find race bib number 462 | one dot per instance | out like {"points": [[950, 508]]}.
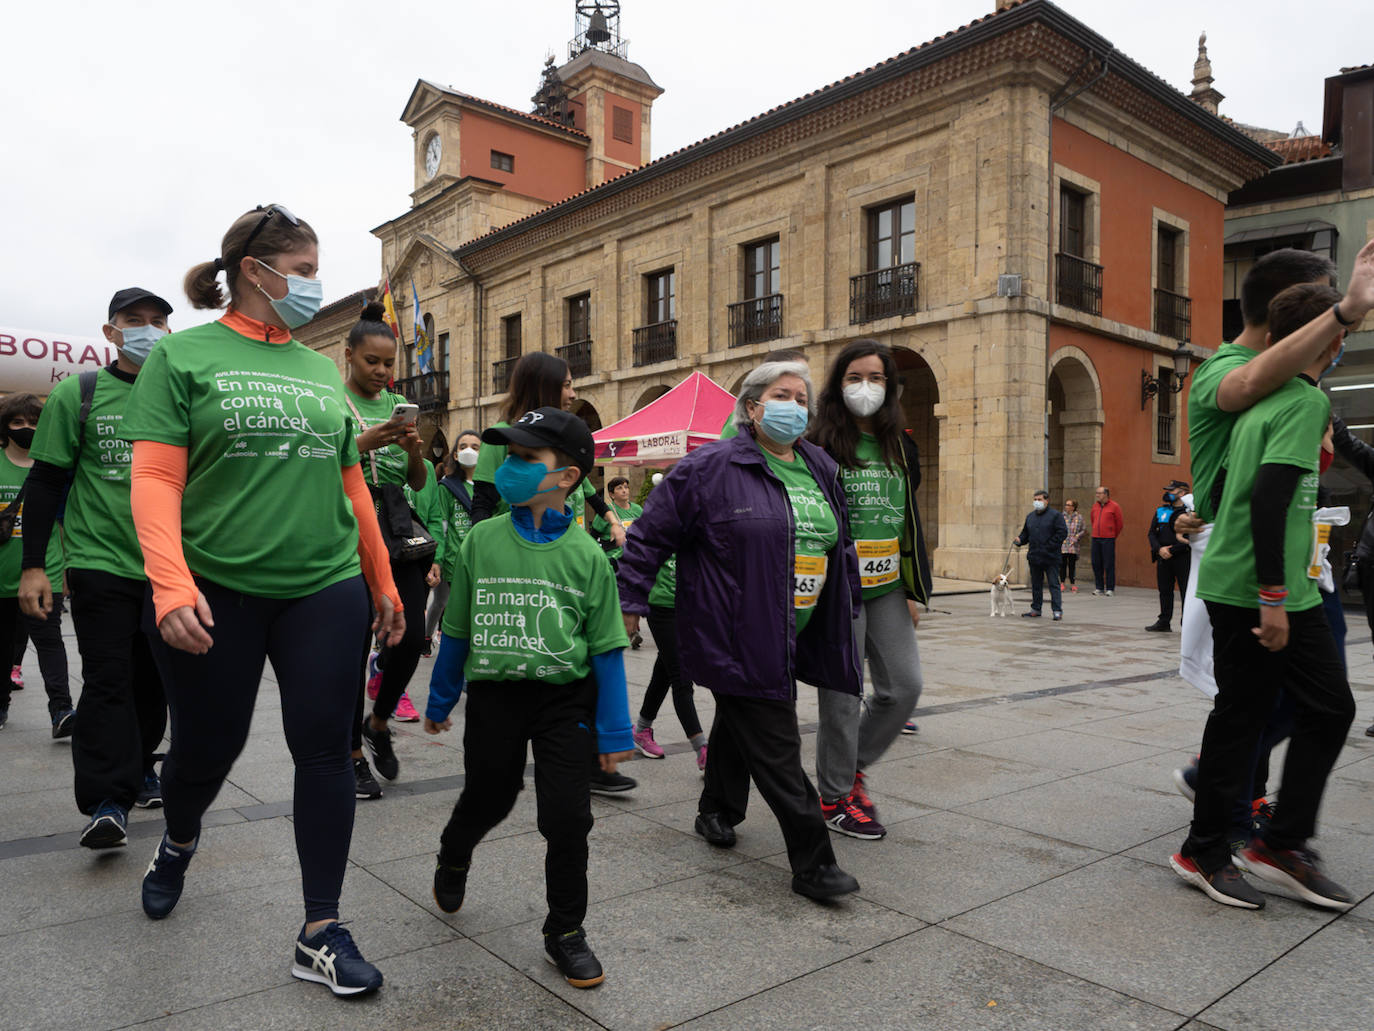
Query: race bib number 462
{"points": [[879, 562]]}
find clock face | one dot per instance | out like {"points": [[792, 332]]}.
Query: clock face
{"points": [[432, 151]]}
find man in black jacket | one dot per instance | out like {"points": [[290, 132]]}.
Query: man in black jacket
{"points": [[1044, 530], [1170, 553], [1361, 456]]}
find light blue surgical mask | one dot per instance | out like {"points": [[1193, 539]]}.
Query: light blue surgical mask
{"points": [[517, 480], [138, 341], [783, 421], [302, 300]]}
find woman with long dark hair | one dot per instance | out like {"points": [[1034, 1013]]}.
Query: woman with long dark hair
{"points": [[858, 423]]}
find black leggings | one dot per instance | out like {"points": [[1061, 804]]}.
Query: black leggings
{"points": [[47, 642], [398, 661], [668, 673], [211, 698], [1068, 568]]}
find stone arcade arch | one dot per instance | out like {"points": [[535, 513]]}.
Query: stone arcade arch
{"points": [[649, 396], [586, 411], [1075, 428], [920, 395]]}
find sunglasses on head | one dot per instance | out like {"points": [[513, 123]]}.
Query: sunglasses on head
{"points": [[268, 212]]}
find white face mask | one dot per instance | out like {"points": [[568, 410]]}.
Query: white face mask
{"points": [[865, 398], [1039, 505], [467, 457]]}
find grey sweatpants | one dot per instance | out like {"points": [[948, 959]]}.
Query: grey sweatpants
{"points": [[849, 739], [438, 600]]}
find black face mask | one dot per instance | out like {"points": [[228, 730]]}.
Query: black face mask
{"points": [[23, 436]]}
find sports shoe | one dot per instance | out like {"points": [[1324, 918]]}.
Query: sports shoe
{"points": [[1369, 730], [847, 818], [108, 827], [64, 723], [17, 677], [701, 758], [860, 796], [645, 743], [165, 877], [1158, 627], [1299, 871], [1096, 592], [1058, 616], [910, 727], [4, 717], [574, 958], [427, 649], [827, 881], [1032, 614], [603, 783], [635, 641], [364, 784], [379, 744], [450, 885], [405, 712], [374, 676], [1074, 588], [1109, 593], [1185, 779], [330, 958], [1262, 813], [1227, 886], [150, 794]]}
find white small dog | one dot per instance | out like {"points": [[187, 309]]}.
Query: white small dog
{"points": [[1001, 596]]}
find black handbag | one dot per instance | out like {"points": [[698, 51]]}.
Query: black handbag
{"points": [[405, 536]]}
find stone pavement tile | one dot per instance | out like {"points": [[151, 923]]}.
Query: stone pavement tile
{"points": [[1055, 711], [1323, 983], [506, 885], [923, 866], [939, 981], [1177, 726], [79, 884], [455, 985], [758, 836], [1067, 750], [955, 777], [956, 729], [1140, 930], [116, 970], [53, 810], [1086, 810], [684, 948]]}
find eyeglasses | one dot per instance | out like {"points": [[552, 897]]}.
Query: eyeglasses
{"points": [[273, 209]]}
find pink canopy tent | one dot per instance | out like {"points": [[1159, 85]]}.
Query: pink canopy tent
{"points": [[689, 415]]}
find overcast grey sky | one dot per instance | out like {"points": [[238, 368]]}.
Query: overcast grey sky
{"points": [[132, 134]]}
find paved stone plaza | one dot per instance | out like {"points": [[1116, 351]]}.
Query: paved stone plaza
{"points": [[1023, 884]]}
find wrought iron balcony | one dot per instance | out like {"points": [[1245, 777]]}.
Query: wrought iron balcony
{"points": [[883, 292], [1173, 316], [578, 356], [428, 390], [500, 374], [1078, 283], [756, 320], [656, 342]]}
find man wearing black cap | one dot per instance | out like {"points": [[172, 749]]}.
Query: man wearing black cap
{"points": [[122, 713], [1170, 553], [533, 624]]}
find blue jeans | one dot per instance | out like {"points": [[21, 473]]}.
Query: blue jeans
{"points": [[1104, 563], [1038, 576]]}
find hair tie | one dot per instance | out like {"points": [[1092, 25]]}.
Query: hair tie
{"points": [[219, 264]]}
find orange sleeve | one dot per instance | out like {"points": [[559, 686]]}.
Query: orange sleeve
{"points": [[371, 548], [156, 485]]}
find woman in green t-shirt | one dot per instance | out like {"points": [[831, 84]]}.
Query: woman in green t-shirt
{"points": [[455, 515], [392, 459], [858, 422]]}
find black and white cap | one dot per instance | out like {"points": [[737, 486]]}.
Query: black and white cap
{"points": [[549, 427]]}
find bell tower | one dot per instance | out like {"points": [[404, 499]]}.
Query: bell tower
{"points": [[609, 97]]}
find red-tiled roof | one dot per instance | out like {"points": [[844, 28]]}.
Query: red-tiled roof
{"points": [[1296, 149], [547, 123]]}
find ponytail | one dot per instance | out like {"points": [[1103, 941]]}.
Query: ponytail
{"points": [[202, 285], [372, 322]]}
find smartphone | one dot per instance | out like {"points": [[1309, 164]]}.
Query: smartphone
{"points": [[409, 413]]}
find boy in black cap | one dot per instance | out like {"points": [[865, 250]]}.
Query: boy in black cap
{"points": [[1170, 553], [533, 624], [122, 712]]}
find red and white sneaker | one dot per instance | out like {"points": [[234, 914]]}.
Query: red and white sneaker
{"points": [[405, 712], [1299, 870], [847, 818], [1226, 885], [17, 677], [861, 799]]}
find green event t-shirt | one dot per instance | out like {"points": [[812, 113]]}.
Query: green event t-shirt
{"points": [[456, 523], [1284, 428], [601, 527], [266, 432], [729, 430], [1209, 428], [12, 551], [815, 533], [98, 527], [532, 611], [664, 591], [393, 461], [877, 517]]}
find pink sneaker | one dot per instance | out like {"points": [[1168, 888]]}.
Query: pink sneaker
{"points": [[17, 677], [644, 741], [374, 677], [405, 712], [701, 758]]}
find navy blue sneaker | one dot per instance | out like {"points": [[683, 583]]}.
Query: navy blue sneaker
{"points": [[165, 878], [330, 958], [150, 795], [107, 828], [64, 723]]}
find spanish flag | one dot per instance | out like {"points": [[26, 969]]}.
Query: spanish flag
{"points": [[390, 307]]}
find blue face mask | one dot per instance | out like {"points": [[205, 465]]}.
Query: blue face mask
{"points": [[1170, 498], [518, 479], [1336, 360], [783, 421], [302, 300], [138, 341]]}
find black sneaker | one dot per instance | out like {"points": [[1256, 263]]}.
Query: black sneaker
{"points": [[450, 885], [364, 784], [1032, 614], [1299, 871], [108, 827], [603, 783], [64, 723], [1368, 731], [330, 958], [574, 958], [1158, 627], [635, 641], [827, 881], [427, 649], [379, 744], [150, 795], [4, 716], [165, 878], [1227, 885]]}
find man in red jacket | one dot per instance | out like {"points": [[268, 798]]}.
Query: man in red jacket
{"points": [[1107, 522]]}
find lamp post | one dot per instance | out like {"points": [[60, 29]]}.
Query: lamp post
{"points": [[1149, 385]]}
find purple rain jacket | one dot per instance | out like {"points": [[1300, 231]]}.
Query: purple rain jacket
{"points": [[727, 516]]}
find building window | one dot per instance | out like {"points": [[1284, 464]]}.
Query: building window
{"points": [[1078, 282], [1165, 417], [1073, 209], [762, 269], [510, 335], [502, 162], [622, 124], [660, 297], [577, 352], [759, 316], [1173, 307], [441, 354], [889, 287], [656, 340], [892, 235], [1246, 247]]}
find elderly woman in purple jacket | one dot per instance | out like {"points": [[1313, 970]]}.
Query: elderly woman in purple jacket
{"points": [[767, 591]]}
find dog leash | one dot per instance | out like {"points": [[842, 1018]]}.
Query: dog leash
{"points": [[1006, 562]]}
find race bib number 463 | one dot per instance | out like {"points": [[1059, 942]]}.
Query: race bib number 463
{"points": [[808, 579]]}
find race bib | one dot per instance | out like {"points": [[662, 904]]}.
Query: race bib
{"points": [[879, 562], [1318, 567], [808, 579]]}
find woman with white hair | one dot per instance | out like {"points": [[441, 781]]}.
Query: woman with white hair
{"points": [[767, 590]]}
